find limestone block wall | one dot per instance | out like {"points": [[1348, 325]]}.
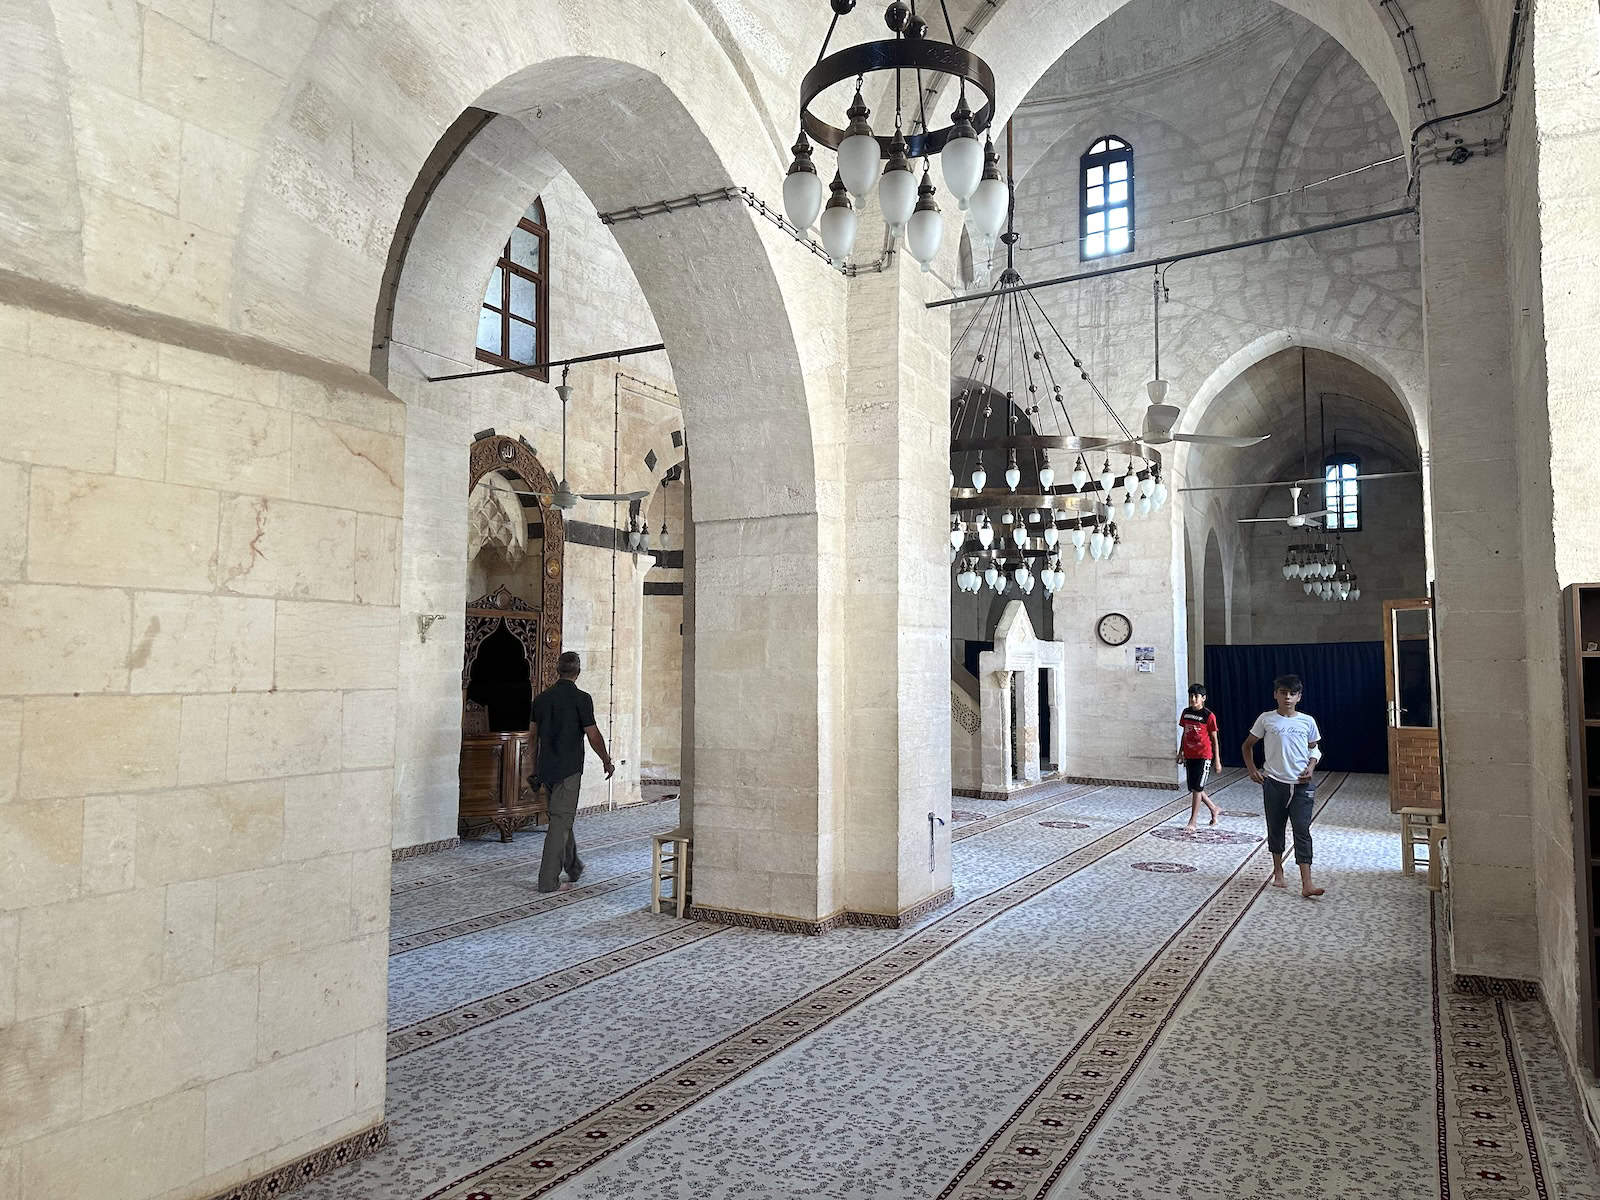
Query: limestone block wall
{"points": [[1554, 154], [198, 584], [661, 642], [1389, 555]]}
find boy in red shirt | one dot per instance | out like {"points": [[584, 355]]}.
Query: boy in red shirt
{"points": [[1199, 752]]}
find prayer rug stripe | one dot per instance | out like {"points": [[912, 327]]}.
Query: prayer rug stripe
{"points": [[552, 1159], [1487, 1140], [1031, 1148]]}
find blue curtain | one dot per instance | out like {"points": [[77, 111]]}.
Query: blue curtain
{"points": [[1343, 691]]}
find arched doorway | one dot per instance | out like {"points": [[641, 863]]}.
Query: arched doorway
{"points": [[512, 631]]}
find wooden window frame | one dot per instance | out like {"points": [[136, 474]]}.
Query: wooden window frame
{"points": [[1121, 151], [541, 297], [1334, 522]]}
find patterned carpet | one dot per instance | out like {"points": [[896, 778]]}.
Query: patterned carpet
{"points": [[1108, 1008]]}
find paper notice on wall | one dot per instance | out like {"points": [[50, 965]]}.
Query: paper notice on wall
{"points": [[1145, 656]]}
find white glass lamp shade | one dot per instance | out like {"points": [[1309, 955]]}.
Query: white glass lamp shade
{"points": [[1107, 478], [1344, 589], [1308, 585], [1288, 571], [1018, 574], [1079, 476], [925, 229], [957, 536], [1079, 537], [1077, 553], [1355, 593], [1097, 541], [1158, 495], [953, 553], [988, 208], [1013, 477], [990, 574], [1052, 535], [644, 539], [1127, 508], [1047, 479], [986, 535], [802, 198], [1147, 485], [802, 187], [1027, 585], [979, 478], [859, 153], [1019, 535], [1144, 506], [664, 539], [1007, 517], [839, 220], [897, 197], [961, 160]]}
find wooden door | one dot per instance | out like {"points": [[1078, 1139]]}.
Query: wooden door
{"points": [[1413, 699]]}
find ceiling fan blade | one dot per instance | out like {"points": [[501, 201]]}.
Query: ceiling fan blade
{"points": [[1315, 515], [624, 496], [1160, 418], [1262, 520], [1217, 439], [1374, 475]]}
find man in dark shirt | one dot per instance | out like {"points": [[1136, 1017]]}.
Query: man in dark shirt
{"points": [[564, 717]]}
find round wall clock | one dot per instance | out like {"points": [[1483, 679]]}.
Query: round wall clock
{"points": [[1114, 629]]}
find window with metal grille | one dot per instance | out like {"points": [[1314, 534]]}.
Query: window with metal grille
{"points": [[1106, 208], [1341, 492], [514, 322]]}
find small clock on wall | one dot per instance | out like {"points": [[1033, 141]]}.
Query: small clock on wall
{"points": [[1114, 629]]}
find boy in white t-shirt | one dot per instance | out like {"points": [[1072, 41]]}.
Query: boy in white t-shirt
{"points": [[1287, 790]]}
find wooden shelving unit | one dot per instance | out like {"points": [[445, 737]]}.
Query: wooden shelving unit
{"points": [[1583, 716]]}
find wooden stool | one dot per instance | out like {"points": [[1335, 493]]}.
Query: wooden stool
{"points": [[1416, 825], [669, 861], [1437, 832]]}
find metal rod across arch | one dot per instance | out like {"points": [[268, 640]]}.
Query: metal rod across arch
{"points": [[1169, 259]]}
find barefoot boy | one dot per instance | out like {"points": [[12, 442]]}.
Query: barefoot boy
{"points": [[1199, 751], [1288, 792]]}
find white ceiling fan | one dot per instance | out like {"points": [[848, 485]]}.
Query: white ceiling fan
{"points": [[1296, 519], [1160, 417], [564, 497]]}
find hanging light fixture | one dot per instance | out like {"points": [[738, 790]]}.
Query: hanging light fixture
{"points": [[913, 55], [1010, 399]]}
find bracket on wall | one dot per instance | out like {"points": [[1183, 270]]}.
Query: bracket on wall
{"points": [[425, 622]]}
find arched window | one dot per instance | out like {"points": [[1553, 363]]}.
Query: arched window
{"points": [[1341, 492], [514, 322], [1106, 224]]}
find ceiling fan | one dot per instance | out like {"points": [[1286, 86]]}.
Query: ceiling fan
{"points": [[564, 497], [1160, 417], [1296, 519]]}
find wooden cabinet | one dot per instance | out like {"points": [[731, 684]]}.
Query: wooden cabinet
{"points": [[1583, 719], [494, 784]]}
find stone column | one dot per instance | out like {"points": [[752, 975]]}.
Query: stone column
{"points": [[1478, 569], [896, 647], [1028, 731], [686, 751], [994, 740]]}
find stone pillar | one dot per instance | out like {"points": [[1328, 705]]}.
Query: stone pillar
{"points": [[1478, 569], [1028, 727], [896, 641], [686, 751], [994, 739], [1058, 717]]}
